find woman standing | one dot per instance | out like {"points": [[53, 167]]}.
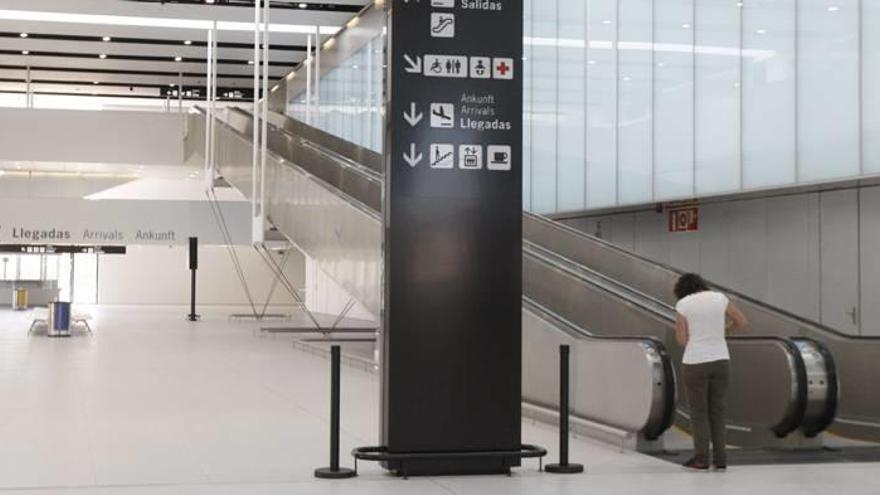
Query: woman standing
{"points": [[704, 316]]}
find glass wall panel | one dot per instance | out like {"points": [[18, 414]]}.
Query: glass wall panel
{"points": [[545, 109], [635, 104], [717, 101], [768, 64], [571, 151], [602, 104], [828, 89], [351, 103], [674, 99], [871, 86]]}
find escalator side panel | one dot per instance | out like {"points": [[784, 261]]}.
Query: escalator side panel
{"points": [[343, 238], [612, 383], [345, 241]]}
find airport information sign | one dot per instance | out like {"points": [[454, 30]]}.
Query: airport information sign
{"points": [[453, 228]]}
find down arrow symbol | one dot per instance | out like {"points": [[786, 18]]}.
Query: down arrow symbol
{"points": [[413, 116], [413, 158]]}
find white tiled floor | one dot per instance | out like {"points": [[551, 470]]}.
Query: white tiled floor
{"points": [[153, 404]]}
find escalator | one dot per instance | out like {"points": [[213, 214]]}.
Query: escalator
{"points": [[857, 359], [315, 180]]}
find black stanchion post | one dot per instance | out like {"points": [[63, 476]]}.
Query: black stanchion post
{"points": [[334, 471], [193, 267], [564, 467]]}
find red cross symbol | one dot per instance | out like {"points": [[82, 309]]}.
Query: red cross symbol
{"points": [[503, 68]]}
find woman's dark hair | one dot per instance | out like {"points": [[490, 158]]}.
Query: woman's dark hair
{"points": [[690, 283]]}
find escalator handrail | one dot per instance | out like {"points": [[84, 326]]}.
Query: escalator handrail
{"points": [[348, 161], [738, 295], [364, 208], [667, 418]]}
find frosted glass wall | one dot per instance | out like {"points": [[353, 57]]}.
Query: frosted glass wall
{"points": [[350, 102], [639, 101]]}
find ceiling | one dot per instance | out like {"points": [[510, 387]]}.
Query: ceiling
{"points": [[145, 48]]}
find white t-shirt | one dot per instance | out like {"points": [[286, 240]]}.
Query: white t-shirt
{"points": [[706, 316]]}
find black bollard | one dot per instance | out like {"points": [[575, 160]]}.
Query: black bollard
{"points": [[564, 467], [193, 267], [334, 472]]}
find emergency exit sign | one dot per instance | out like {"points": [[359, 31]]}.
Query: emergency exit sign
{"points": [[685, 219]]}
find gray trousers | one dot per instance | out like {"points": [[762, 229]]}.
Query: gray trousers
{"points": [[706, 387]]}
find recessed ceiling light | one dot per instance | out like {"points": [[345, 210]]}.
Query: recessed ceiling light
{"points": [[188, 42], [250, 62], [686, 26], [303, 5], [106, 38], [102, 56], [23, 35], [761, 31], [178, 59], [25, 52], [96, 82], [834, 8], [209, 1], [161, 22], [606, 21]]}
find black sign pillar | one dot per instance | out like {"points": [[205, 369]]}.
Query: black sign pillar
{"points": [[452, 340]]}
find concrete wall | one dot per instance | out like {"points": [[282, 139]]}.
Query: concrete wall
{"points": [[143, 138], [813, 254], [159, 275]]}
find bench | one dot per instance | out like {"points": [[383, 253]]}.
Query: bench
{"points": [[81, 319]]}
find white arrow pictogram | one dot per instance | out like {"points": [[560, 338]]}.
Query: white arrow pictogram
{"points": [[413, 158], [413, 66], [413, 116]]}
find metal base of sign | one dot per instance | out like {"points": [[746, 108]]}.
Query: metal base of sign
{"points": [[335, 474], [564, 468], [192, 317], [437, 463]]}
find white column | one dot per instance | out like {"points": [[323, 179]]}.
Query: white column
{"points": [[257, 228], [317, 70], [308, 63], [208, 106], [265, 117], [212, 81]]}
